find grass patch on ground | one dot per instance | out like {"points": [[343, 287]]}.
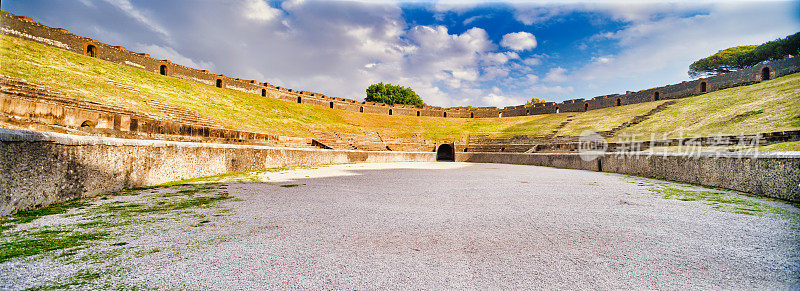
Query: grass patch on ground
{"points": [[38, 242], [764, 107], [29, 215], [241, 176], [718, 200], [784, 146], [79, 279], [102, 220]]}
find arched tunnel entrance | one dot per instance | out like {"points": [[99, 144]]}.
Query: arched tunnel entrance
{"points": [[765, 74], [446, 153]]}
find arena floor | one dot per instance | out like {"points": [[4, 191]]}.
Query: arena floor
{"points": [[443, 225]]}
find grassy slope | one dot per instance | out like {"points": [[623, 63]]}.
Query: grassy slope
{"points": [[90, 79], [762, 107]]}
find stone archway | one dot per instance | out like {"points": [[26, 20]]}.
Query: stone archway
{"points": [[765, 73], [163, 70], [219, 83], [656, 96], [445, 153], [703, 87], [263, 92], [91, 50]]}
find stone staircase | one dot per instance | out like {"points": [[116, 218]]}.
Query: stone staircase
{"points": [[20, 88], [552, 134], [637, 119], [182, 115], [330, 140]]}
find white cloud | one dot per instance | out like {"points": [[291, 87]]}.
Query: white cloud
{"points": [[556, 75], [540, 89], [531, 79], [519, 41], [501, 58], [530, 14], [138, 15], [497, 100], [167, 53], [602, 60], [259, 11], [659, 50], [532, 61]]}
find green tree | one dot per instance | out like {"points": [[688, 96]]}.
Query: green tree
{"points": [[393, 94], [534, 100], [740, 57]]}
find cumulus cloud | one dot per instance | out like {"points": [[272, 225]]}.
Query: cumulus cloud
{"points": [[531, 14], [657, 49], [259, 11], [497, 100], [519, 41], [531, 78], [532, 61], [556, 75]]}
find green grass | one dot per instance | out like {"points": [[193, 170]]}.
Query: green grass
{"points": [[241, 176], [99, 222], [37, 242], [764, 107], [29, 215], [717, 200], [784, 146]]}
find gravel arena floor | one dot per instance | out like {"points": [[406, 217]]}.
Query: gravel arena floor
{"points": [[417, 226]]}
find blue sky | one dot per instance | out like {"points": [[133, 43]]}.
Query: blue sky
{"points": [[451, 52]]}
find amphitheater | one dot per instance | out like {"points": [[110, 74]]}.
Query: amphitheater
{"points": [[122, 170]]}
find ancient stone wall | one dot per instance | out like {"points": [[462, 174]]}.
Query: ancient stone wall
{"points": [[775, 175], [23, 27], [41, 168]]}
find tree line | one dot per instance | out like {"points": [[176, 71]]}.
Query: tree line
{"points": [[740, 57]]}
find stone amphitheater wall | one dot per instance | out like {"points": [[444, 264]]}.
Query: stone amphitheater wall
{"points": [[42, 168], [775, 175], [26, 28]]}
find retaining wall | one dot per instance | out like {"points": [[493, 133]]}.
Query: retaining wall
{"points": [[775, 175], [41, 168]]}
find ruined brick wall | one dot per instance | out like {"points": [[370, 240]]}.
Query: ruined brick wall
{"points": [[23, 27]]}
